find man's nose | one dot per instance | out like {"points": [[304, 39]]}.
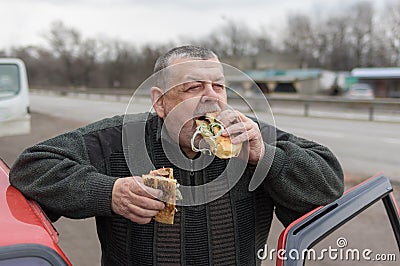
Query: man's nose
{"points": [[209, 95]]}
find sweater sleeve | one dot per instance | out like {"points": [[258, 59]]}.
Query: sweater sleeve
{"points": [[58, 175], [302, 176]]}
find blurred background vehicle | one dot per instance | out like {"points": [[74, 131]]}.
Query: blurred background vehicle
{"points": [[14, 98], [360, 91]]}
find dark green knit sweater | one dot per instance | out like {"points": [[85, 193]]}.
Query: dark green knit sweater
{"points": [[73, 174]]}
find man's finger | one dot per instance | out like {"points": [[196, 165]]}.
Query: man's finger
{"points": [[141, 212], [141, 189], [237, 128], [245, 136], [147, 203], [242, 117], [228, 117]]}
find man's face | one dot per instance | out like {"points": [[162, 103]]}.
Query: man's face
{"points": [[196, 88]]}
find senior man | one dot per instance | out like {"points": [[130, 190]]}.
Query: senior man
{"points": [[95, 171]]}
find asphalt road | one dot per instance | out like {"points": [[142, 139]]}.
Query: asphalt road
{"points": [[78, 238], [363, 148]]}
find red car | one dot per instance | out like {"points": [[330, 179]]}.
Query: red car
{"points": [[27, 237]]}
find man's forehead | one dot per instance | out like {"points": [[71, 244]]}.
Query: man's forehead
{"points": [[184, 70]]}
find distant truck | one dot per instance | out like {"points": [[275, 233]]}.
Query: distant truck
{"points": [[15, 117]]}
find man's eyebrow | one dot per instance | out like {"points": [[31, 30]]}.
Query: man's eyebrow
{"points": [[193, 78]]}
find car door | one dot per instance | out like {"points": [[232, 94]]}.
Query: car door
{"points": [[297, 241]]}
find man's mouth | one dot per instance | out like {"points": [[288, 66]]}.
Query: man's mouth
{"points": [[199, 117], [202, 116]]}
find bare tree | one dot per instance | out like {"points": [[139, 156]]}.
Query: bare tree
{"points": [[262, 42], [117, 57], [87, 60], [65, 43], [300, 37], [234, 38], [42, 67], [341, 42], [392, 32], [237, 36], [360, 18], [147, 56], [214, 42], [337, 43]]}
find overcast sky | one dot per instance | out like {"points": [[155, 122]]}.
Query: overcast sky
{"points": [[23, 22]]}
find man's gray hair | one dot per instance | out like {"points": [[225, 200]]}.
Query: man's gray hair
{"points": [[187, 51]]}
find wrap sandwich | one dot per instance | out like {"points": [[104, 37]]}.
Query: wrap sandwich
{"points": [[163, 179], [211, 130]]}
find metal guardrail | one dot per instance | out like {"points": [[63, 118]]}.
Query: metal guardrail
{"points": [[370, 105], [304, 105]]}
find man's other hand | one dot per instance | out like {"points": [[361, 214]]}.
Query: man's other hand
{"points": [[135, 201]]}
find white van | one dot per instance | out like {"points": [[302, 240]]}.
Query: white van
{"points": [[14, 98]]}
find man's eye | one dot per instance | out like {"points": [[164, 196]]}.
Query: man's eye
{"points": [[195, 87], [218, 86]]}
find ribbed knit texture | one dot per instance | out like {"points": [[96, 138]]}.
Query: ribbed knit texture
{"points": [[132, 244], [168, 244], [196, 236], [246, 226], [264, 215], [140, 244], [222, 231], [221, 217]]}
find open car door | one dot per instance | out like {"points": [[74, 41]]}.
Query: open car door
{"points": [[311, 228]]}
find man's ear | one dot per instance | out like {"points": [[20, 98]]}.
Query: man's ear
{"points": [[157, 99]]}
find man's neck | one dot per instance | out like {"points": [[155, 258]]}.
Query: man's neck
{"points": [[190, 153]]}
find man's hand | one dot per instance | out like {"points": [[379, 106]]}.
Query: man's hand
{"points": [[133, 200], [242, 129]]}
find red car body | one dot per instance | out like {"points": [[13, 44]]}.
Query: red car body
{"points": [[26, 234]]}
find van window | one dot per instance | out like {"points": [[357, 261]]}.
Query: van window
{"points": [[9, 80]]}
